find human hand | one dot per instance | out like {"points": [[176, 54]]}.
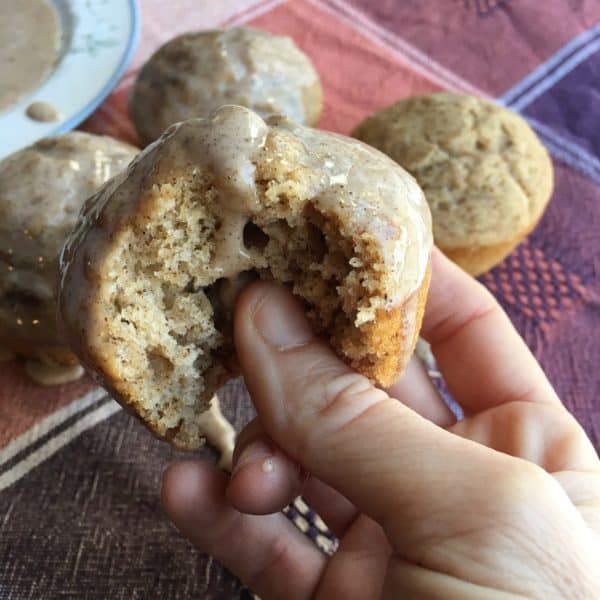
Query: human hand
{"points": [[504, 503]]}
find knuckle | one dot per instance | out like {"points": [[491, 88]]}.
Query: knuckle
{"points": [[344, 399], [346, 388], [348, 398], [454, 324], [518, 486], [274, 561], [565, 444]]}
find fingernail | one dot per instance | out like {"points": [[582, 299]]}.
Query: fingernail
{"points": [[267, 465], [281, 321], [255, 452]]}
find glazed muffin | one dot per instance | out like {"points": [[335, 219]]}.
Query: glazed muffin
{"points": [[42, 189], [485, 174], [151, 272], [195, 73]]}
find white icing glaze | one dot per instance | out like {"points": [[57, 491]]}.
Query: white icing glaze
{"points": [[369, 190], [195, 73], [230, 289], [424, 353], [30, 34], [269, 70], [359, 185], [219, 433], [348, 182], [42, 111], [49, 373], [244, 132], [42, 188]]}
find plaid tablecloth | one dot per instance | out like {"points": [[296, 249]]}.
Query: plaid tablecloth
{"points": [[79, 509]]}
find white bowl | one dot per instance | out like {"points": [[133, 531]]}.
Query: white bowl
{"points": [[98, 40]]}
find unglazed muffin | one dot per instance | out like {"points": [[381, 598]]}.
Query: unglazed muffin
{"points": [[195, 73], [151, 272], [42, 189], [485, 174]]}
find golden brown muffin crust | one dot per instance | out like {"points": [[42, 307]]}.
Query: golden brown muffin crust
{"points": [[486, 176]]}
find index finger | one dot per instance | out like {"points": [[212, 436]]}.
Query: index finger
{"points": [[485, 362]]}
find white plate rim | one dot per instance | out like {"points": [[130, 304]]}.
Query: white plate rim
{"points": [[86, 111], [99, 97]]}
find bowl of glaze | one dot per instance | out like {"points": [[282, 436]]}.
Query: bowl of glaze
{"points": [[95, 43]]}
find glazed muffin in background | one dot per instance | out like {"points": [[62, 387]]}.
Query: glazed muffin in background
{"points": [[195, 73], [42, 189], [151, 272], [485, 174]]}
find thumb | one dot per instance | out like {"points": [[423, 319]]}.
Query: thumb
{"points": [[395, 466]]}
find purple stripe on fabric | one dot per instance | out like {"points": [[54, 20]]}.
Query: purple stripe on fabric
{"points": [[571, 107], [567, 152], [568, 57], [550, 288]]}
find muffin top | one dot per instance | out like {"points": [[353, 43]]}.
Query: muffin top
{"points": [[341, 178], [195, 73], [485, 174], [42, 188], [150, 273]]}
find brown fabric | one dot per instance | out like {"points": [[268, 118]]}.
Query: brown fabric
{"points": [[99, 529], [23, 403]]}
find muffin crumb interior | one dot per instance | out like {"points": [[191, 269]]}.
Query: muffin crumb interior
{"points": [[169, 310]]}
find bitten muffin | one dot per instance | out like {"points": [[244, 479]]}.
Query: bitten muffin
{"points": [[195, 73], [485, 174], [42, 189], [151, 272]]}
